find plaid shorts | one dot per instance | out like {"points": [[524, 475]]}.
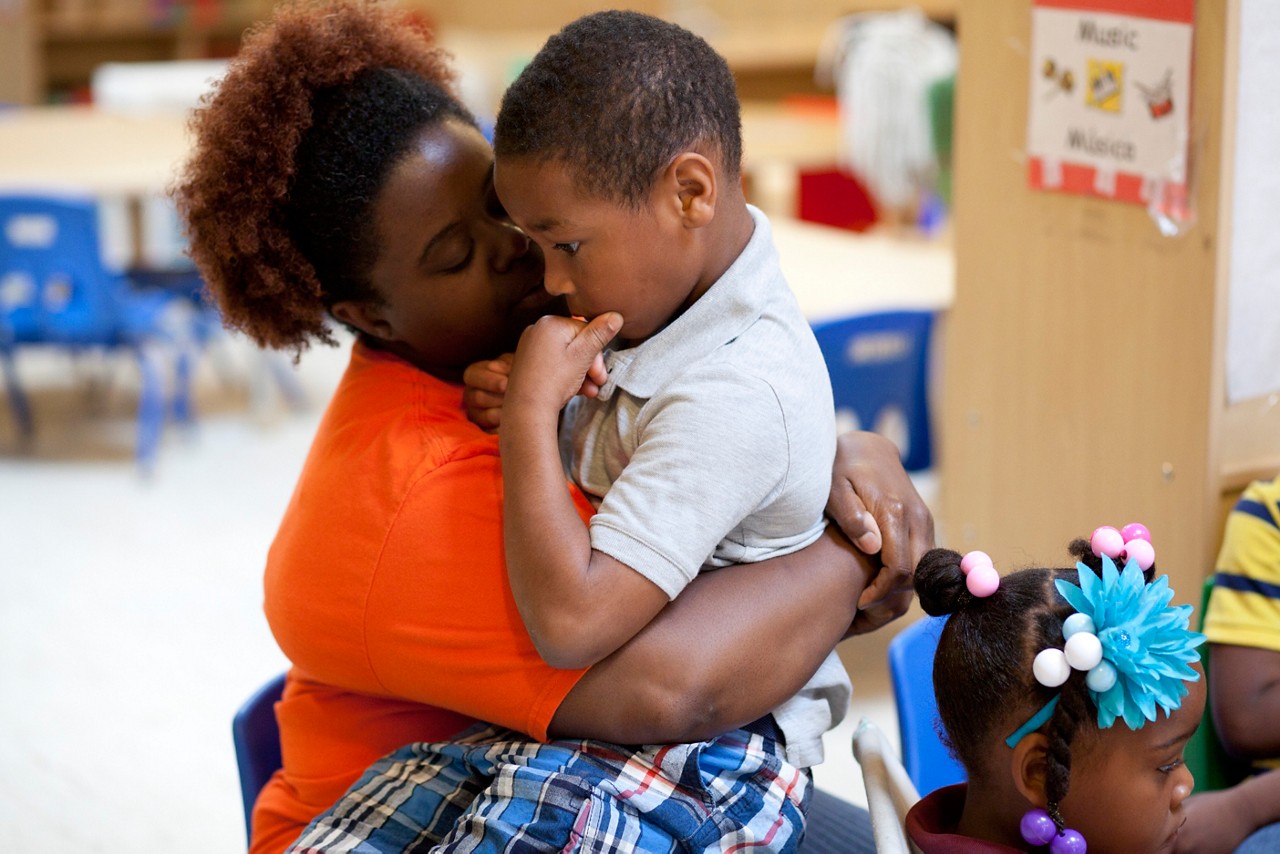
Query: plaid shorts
{"points": [[495, 790]]}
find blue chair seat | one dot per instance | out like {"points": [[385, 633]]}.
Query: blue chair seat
{"points": [[879, 367]]}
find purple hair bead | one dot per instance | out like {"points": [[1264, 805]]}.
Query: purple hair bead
{"points": [[1068, 842], [1037, 827]]}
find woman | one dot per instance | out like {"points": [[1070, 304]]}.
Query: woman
{"points": [[335, 176]]}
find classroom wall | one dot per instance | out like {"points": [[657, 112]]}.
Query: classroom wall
{"points": [[1083, 356]]}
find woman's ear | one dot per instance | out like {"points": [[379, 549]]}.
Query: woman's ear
{"points": [[1029, 768], [363, 315], [690, 180]]}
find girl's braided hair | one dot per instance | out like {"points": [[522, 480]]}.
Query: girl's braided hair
{"points": [[982, 673]]}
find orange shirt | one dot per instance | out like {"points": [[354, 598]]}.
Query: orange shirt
{"points": [[386, 588]]}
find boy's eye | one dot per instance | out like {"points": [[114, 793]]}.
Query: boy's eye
{"points": [[569, 249]]}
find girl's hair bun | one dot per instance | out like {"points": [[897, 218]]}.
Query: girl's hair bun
{"points": [[940, 583]]}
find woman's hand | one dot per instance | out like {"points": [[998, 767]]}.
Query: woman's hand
{"points": [[485, 387], [876, 505]]}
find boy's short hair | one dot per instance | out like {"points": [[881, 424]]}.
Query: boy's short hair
{"points": [[616, 95]]}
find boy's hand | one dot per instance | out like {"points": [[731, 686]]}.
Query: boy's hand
{"points": [[559, 357], [485, 386]]}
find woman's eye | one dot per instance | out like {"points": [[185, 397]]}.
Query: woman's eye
{"points": [[569, 249], [466, 259]]}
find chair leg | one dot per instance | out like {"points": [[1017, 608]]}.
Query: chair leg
{"points": [[17, 399], [182, 370], [151, 408]]}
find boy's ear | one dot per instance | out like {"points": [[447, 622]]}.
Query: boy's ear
{"points": [[1029, 768], [690, 181], [363, 315]]}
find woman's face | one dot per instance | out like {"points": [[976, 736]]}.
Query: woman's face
{"points": [[458, 282], [1127, 787]]}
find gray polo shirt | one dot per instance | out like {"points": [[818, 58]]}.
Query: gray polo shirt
{"points": [[711, 443]]}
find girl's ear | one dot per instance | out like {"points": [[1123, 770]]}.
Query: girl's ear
{"points": [[1029, 768], [690, 181]]}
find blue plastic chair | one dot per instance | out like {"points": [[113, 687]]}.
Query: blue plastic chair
{"points": [[55, 291], [929, 763], [257, 740], [879, 367]]}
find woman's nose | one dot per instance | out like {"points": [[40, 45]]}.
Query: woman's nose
{"points": [[513, 245]]}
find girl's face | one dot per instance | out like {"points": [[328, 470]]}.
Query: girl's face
{"points": [[1127, 787], [458, 282]]}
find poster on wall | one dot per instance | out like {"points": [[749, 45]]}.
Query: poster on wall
{"points": [[1110, 101]]}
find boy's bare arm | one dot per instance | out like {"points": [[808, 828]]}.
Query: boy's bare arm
{"points": [[1245, 694], [578, 604]]}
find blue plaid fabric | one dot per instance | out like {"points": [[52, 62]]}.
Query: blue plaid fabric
{"points": [[494, 790]]}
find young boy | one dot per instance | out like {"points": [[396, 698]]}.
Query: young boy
{"points": [[705, 433]]}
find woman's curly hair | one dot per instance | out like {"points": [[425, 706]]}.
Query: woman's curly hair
{"points": [[290, 152]]}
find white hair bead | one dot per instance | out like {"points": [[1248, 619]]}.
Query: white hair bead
{"points": [[1083, 650], [1102, 677], [1078, 622], [1050, 667]]}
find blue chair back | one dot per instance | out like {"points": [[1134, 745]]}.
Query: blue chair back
{"points": [[928, 762], [257, 739], [879, 366], [53, 286]]}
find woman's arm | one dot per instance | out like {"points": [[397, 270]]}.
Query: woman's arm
{"points": [[712, 660], [732, 646]]}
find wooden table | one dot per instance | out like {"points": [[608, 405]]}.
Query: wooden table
{"points": [[836, 273], [86, 150], [126, 161]]}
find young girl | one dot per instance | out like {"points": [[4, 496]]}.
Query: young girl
{"points": [[1068, 695]]}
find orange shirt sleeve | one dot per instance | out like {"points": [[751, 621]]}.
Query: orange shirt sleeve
{"points": [[441, 623]]}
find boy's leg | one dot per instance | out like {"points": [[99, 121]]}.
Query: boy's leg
{"points": [[497, 791], [408, 800], [735, 791]]}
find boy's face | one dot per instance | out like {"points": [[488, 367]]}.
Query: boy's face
{"points": [[600, 255], [1128, 787]]}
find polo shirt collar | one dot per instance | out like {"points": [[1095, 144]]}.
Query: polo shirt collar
{"points": [[734, 302]]}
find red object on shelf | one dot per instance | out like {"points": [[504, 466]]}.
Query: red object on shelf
{"points": [[835, 197]]}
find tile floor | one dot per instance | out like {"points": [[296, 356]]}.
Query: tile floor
{"points": [[131, 626]]}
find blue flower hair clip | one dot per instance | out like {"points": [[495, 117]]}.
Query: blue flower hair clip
{"points": [[1136, 649]]}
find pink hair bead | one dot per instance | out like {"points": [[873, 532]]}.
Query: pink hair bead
{"points": [[1135, 531], [1107, 541], [982, 580], [973, 560], [1142, 552]]}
